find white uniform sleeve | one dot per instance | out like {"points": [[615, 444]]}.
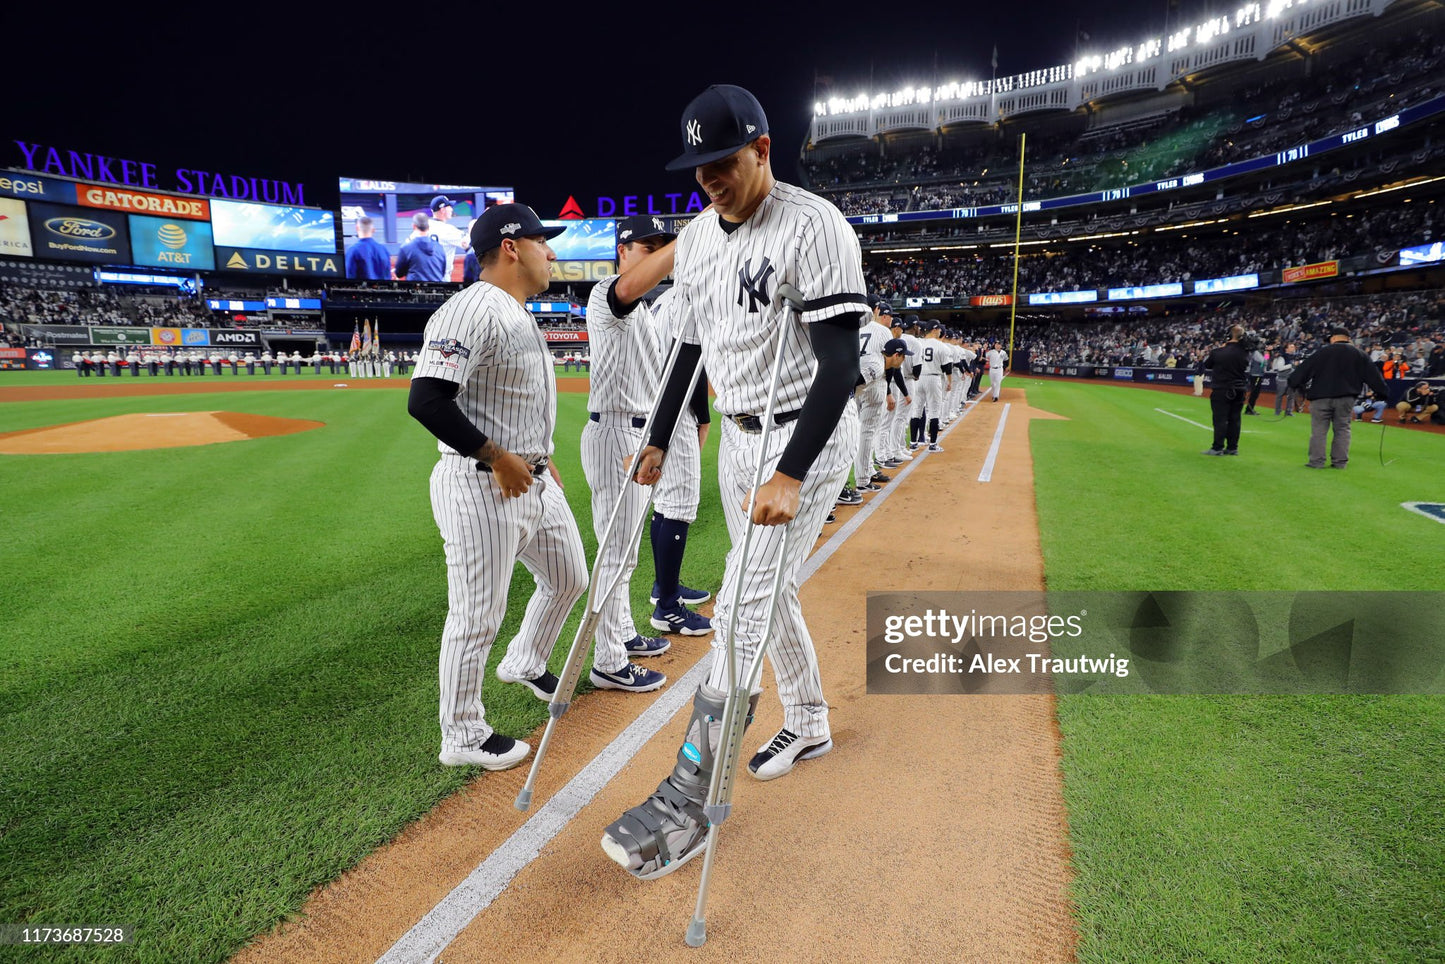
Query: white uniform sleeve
{"points": [[599, 309], [830, 266], [460, 336], [675, 318]]}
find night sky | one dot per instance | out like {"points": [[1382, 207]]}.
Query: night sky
{"points": [[555, 104]]}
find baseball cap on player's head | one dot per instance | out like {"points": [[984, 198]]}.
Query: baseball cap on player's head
{"points": [[880, 305], [718, 122], [640, 227], [896, 346], [932, 326], [508, 221], [911, 322], [441, 201]]}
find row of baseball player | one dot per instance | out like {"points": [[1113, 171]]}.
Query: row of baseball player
{"points": [[486, 389], [164, 361]]}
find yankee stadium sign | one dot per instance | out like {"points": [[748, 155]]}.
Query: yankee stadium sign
{"points": [[44, 159]]}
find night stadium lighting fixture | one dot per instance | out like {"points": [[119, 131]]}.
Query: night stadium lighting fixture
{"points": [[1022, 244], [1092, 237], [1397, 187], [1188, 224], [1286, 210]]}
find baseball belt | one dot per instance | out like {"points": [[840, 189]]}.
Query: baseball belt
{"points": [[613, 418], [753, 424], [537, 468]]}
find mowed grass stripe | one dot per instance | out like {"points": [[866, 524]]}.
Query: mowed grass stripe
{"points": [[218, 676], [1242, 828]]}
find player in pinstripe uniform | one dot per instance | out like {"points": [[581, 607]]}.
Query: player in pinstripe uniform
{"points": [[871, 394], [624, 340], [931, 382], [912, 328], [899, 408], [675, 502], [484, 386], [730, 262], [997, 358]]}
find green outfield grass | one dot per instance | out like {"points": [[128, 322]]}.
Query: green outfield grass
{"points": [[218, 676], [1243, 828], [218, 664]]}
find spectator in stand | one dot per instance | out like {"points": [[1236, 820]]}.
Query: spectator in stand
{"points": [[368, 258]]}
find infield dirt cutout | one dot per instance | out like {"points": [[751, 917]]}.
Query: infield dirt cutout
{"points": [[149, 430]]}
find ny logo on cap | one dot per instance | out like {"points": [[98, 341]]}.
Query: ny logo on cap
{"points": [[694, 132], [511, 227], [657, 223]]}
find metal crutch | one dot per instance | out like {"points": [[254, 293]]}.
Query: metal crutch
{"points": [[572, 670], [720, 789]]}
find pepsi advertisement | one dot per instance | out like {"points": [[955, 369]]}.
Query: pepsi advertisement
{"points": [[169, 243], [68, 233]]}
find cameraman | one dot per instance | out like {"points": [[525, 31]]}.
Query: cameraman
{"points": [[1420, 394], [1226, 399], [1335, 374]]}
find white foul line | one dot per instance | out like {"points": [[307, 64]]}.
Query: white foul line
{"points": [[1207, 428], [987, 472], [444, 923]]}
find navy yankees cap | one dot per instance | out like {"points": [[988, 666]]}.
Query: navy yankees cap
{"points": [[508, 221], [896, 346], [440, 201], [640, 227], [718, 122], [932, 326], [880, 305]]}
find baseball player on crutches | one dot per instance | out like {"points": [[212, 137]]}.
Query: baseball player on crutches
{"points": [[787, 442]]}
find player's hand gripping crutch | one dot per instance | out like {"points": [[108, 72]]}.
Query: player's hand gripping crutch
{"points": [[597, 596], [735, 710]]}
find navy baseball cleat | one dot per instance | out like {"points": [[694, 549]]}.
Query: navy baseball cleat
{"points": [[686, 596], [543, 687], [681, 620], [850, 496], [646, 646], [630, 678]]}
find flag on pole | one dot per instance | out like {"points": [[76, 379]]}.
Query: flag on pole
{"points": [[376, 336], [355, 338], [366, 337]]}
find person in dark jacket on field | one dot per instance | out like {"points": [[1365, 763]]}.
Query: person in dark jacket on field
{"points": [[421, 258], [1226, 398], [1332, 378]]}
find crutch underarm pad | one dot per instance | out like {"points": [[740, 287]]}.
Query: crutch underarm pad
{"points": [[835, 343], [674, 395]]}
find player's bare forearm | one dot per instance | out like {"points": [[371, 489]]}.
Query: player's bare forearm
{"points": [[777, 500]]}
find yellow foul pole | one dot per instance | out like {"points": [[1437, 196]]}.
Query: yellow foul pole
{"points": [[1018, 236]]}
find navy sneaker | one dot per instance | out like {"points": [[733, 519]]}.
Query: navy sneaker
{"points": [[543, 687], [850, 496], [630, 678], [681, 620], [646, 645], [686, 596]]}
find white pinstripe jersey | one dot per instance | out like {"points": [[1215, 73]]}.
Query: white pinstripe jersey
{"points": [[626, 362], [930, 356], [491, 346], [728, 300], [967, 355], [916, 358], [996, 357], [871, 339]]}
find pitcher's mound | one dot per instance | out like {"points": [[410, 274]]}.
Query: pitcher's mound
{"points": [[152, 430]]}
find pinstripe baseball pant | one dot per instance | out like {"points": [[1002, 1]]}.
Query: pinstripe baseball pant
{"points": [[606, 447], [484, 535], [870, 400], [795, 664]]}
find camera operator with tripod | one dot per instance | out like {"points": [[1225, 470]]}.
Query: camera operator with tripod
{"points": [[1226, 397]]}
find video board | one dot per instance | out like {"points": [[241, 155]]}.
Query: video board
{"points": [[392, 205]]}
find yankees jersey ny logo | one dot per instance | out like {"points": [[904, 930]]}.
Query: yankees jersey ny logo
{"points": [[756, 286]]}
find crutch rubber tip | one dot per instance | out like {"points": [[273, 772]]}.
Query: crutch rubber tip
{"points": [[557, 709], [697, 933], [524, 800]]}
